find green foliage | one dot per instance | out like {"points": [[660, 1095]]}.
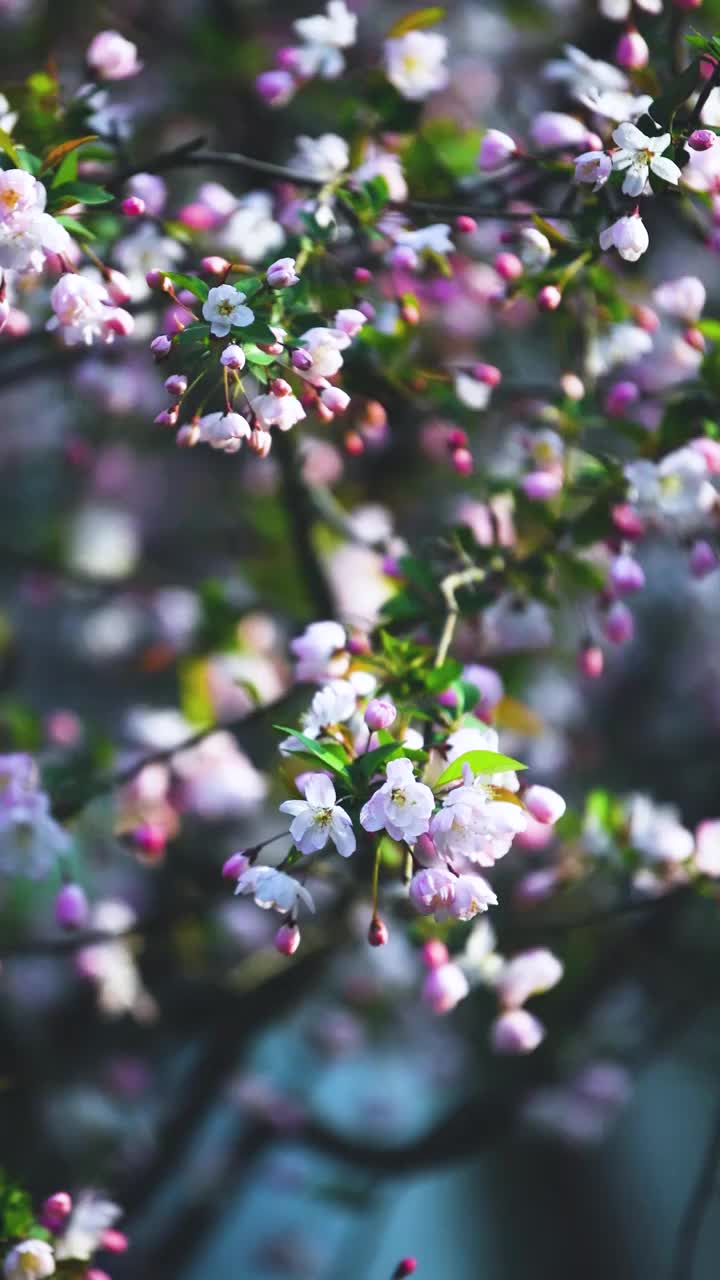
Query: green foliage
{"points": [[69, 193], [331, 755], [480, 762], [193, 284]]}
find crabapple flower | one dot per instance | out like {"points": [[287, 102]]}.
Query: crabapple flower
{"points": [[401, 806], [277, 411], [516, 1031], [320, 651], [656, 831], [628, 235], [432, 239], [233, 357], [224, 431], [415, 63], [322, 158], [325, 34], [281, 274], [349, 321], [334, 704], [324, 346], [83, 311], [224, 307], [473, 894], [675, 493], [91, 1217], [380, 714], [593, 167], [112, 57], [382, 164], [445, 987], [553, 129], [27, 233], [472, 825], [496, 149], [432, 891], [274, 890], [640, 156], [30, 838], [683, 298], [317, 819], [29, 1260], [530, 973]]}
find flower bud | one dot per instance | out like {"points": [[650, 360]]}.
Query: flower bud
{"points": [[55, 1211], [516, 1031], [176, 384], [118, 286], [590, 661], [544, 804], [335, 399], [619, 623], [120, 322], [113, 1241], [301, 360], [444, 988], [235, 865], [287, 939], [434, 953], [275, 87], [462, 461], [111, 57], [465, 224], [378, 932], [282, 274], [150, 188], [279, 387], [627, 575], [631, 50], [167, 417], [703, 559], [496, 149], [572, 386], [156, 280], [549, 298], [161, 346], [406, 1267], [620, 397], [487, 373], [150, 838], [508, 266], [361, 275], [233, 357], [214, 265], [72, 910], [380, 714], [701, 139], [132, 206], [541, 486]]}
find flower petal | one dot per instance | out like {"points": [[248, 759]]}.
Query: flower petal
{"points": [[319, 791], [629, 136], [666, 169]]}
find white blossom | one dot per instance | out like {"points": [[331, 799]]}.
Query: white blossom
{"points": [[333, 704], [402, 806], [274, 890], [675, 493], [325, 34], [324, 346], [656, 831], [318, 818], [224, 431], [277, 411], [433, 239], [473, 825], [29, 1260], [322, 158], [320, 651], [628, 235], [415, 63], [224, 307], [92, 1214], [640, 156]]}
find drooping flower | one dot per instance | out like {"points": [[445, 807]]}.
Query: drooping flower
{"points": [[324, 346], [402, 805], [530, 973], [473, 825], [274, 890], [593, 167], [415, 63], [224, 307], [318, 818], [640, 156], [29, 1260], [628, 235], [277, 411], [224, 431]]}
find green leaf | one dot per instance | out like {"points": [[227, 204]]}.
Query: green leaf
{"points": [[256, 356], [195, 334], [480, 762], [57, 154], [258, 331], [75, 228], [331, 755], [191, 283], [8, 146], [426, 17], [80, 193], [439, 678]]}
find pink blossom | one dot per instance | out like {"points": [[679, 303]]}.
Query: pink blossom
{"points": [[445, 987], [544, 804], [516, 1031], [112, 57]]}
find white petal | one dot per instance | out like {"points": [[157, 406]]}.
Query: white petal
{"points": [[623, 159], [629, 136], [342, 833], [293, 806], [635, 180], [658, 145], [320, 792], [301, 826], [607, 238], [666, 169], [242, 316]]}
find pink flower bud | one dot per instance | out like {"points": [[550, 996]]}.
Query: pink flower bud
{"points": [[197, 216], [378, 932], [619, 398], [710, 451], [701, 139], [544, 804], [72, 909], [627, 575], [214, 265], [406, 1267], [118, 286], [541, 486], [425, 852], [150, 838], [150, 188], [516, 1031], [695, 339], [132, 206], [444, 988], [465, 224], [235, 865], [111, 57], [287, 939], [380, 714], [496, 149], [590, 661], [161, 346], [176, 384], [572, 386], [434, 954], [631, 50], [508, 266], [260, 442], [55, 1211], [301, 359], [4, 313], [549, 298], [120, 322], [335, 399], [275, 87], [279, 387], [627, 521], [404, 258], [289, 59], [167, 417], [233, 357], [271, 348], [487, 373], [114, 1241], [703, 559], [282, 274], [619, 623], [448, 698], [462, 461], [361, 275], [155, 280]]}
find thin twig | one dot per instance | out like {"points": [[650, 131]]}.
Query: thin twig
{"points": [[688, 1237]]}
